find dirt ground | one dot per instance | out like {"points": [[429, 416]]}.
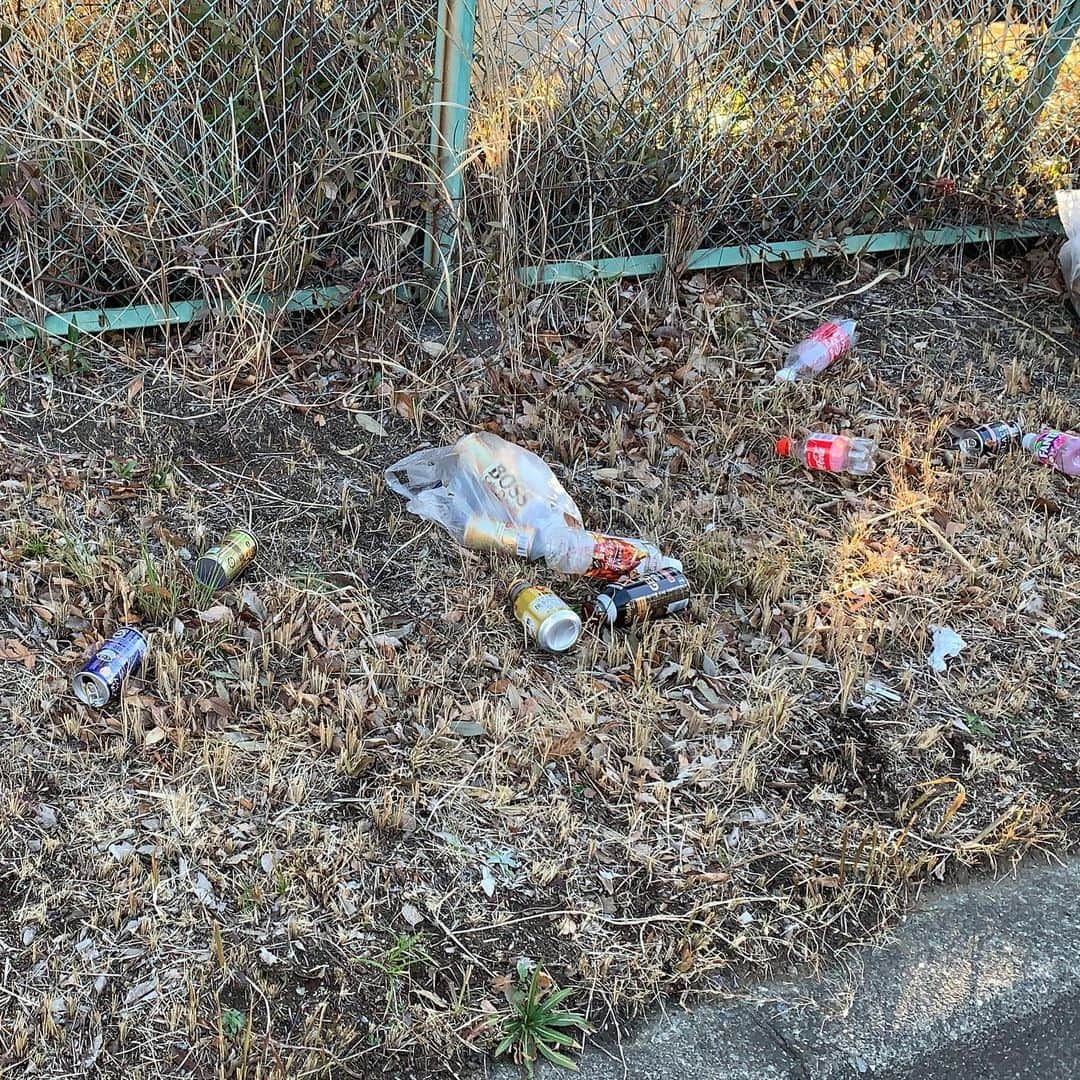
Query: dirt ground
{"points": [[345, 798]]}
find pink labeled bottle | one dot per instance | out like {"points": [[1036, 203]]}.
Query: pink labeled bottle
{"points": [[826, 344], [831, 453], [1055, 449]]}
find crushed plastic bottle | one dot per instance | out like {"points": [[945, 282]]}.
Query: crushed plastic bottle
{"points": [[826, 344], [1056, 449], [594, 555], [831, 453]]}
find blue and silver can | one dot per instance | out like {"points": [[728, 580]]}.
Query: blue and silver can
{"points": [[103, 674]]}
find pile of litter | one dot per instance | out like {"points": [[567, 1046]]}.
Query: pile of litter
{"points": [[825, 452], [101, 679], [491, 495]]}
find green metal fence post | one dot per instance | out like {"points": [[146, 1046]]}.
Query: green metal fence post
{"points": [[1041, 82], [1060, 35], [449, 131]]}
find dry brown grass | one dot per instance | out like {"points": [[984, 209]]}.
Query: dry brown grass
{"points": [[363, 748]]}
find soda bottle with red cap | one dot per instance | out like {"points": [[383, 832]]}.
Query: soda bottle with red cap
{"points": [[831, 453]]}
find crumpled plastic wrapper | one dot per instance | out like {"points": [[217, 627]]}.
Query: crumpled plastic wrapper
{"points": [[947, 644], [1068, 204]]}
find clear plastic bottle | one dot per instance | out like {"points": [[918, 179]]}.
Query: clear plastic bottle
{"points": [[831, 453], [566, 550], [606, 558], [1056, 449], [826, 344]]}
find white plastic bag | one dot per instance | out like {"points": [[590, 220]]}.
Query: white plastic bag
{"points": [[1068, 204], [493, 496], [482, 478]]}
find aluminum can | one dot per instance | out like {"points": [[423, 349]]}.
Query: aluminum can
{"points": [[987, 438], [226, 560], [650, 597], [101, 677], [547, 619], [488, 534]]}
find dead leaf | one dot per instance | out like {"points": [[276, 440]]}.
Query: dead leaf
{"points": [[16, 652], [564, 745], [219, 613], [467, 728], [252, 604], [370, 424], [144, 991]]}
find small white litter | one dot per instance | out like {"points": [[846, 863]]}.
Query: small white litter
{"points": [[1068, 203], [947, 643]]}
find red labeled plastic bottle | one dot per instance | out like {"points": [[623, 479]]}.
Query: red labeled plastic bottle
{"points": [[831, 453], [825, 345]]}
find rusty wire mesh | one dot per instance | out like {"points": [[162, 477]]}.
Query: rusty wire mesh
{"points": [[612, 128], [156, 150]]}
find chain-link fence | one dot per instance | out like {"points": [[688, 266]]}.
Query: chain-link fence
{"points": [[155, 150], [613, 128], [159, 150]]}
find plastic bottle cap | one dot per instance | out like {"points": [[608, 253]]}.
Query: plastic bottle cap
{"points": [[783, 447], [786, 374]]}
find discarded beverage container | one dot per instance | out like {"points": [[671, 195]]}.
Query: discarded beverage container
{"points": [[594, 555], [226, 560], [101, 677], [1056, 449], [826, 344], [491, 495], [488, 534], [831, 453], [650, 597], [989, 438], [566, 550], [547, 619]]}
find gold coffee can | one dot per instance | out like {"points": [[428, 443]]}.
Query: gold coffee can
{"points": [[226, 560]]}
